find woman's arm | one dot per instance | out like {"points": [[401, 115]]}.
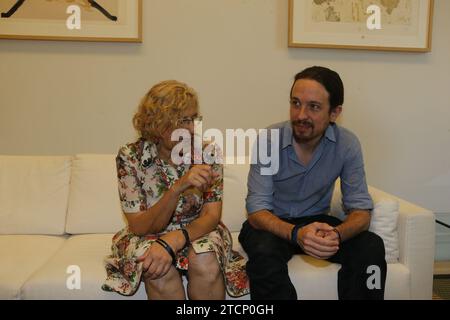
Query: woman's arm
{"points": [[207, 221], [156, 218], [157, 262]]}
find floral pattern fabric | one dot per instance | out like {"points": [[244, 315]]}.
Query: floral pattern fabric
{"points": [[143, 179]]}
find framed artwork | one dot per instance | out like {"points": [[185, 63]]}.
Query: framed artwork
{"points": [[72, 20], [387, 25]]}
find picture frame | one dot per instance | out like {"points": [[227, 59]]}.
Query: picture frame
{"points": [[406, 25], [101, 20]]}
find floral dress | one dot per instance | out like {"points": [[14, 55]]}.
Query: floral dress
{"points": [[143, 179]]}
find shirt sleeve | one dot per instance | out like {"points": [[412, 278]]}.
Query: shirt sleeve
{"points": [[355, 194], [131, 193], [260, 189]]}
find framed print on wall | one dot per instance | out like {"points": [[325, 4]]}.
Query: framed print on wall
{"points": [[72, 20], [404, 25]]}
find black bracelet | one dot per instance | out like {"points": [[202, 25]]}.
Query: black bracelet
{"points": [[187, 242], [339, 235], [294, 234], [166, 246]]}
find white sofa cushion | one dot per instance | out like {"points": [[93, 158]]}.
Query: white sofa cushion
{"points": [[86, 252], [21, 256], [234, 194], [34, 193], [384, 223], [94, 205]]}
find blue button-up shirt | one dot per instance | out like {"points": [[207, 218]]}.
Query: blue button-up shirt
{"points": [[297, 190]]}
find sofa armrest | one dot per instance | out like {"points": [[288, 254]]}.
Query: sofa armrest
{"points": [[416, 234]]}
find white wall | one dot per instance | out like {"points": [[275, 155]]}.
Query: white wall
{"points": [[68, 97]]}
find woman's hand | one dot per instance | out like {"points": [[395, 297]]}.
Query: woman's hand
{"points": [[318, 240], [156, 260], [199, 176]]}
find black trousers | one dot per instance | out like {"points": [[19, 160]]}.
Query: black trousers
{"points": [[268, 257]]}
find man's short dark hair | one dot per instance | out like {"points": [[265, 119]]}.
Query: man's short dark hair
{"points": [[329, 79]]}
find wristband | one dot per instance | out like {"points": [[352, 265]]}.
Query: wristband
{"points": [[166, 246], [187, 243], [294, 234], [339, 235]]}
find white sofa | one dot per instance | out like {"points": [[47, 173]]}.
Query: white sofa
{"points": [[57, 212]]}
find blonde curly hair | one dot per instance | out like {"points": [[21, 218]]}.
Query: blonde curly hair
{"points": [[162, 107]]}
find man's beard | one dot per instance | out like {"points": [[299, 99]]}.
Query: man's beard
{"points": [[307, 125]]}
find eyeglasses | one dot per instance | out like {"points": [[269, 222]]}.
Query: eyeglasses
{"points": [[187, 121]]}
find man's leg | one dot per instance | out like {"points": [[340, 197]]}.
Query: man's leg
{"points": [[363, 271], [267, 265]]}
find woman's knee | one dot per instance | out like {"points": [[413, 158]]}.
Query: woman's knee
{"points": [[204, 265], [163, 284]]}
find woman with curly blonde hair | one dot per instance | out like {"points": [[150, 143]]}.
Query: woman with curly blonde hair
{"points": [[173, 211]]}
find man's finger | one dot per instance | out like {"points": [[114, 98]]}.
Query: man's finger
{"points": [[319, 254], [324, 226], [321, 244], [324, 241], [313, 237], [321, 248], [313, 253]]}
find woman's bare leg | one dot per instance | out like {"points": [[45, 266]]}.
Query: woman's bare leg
{"points": [[169, 287], [205, 277]]}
